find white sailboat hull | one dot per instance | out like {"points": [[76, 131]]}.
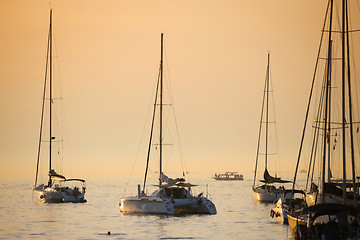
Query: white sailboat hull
{"points": [[198, 206], [146, 205], [77, 198], [184, 203], [48, 195], [58, 195], [264, 197], [279, 212], [206, 206]]}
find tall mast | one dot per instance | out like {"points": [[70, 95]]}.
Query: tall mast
{"points": [[350, 106], [329, 117], [267, 111], [42, 111], [343, 100], [326, 101], [51, 100], [161, 105]]}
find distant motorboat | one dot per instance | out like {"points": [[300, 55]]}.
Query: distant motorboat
{"points": [[173, 195], [228, 176], [58, 188]]}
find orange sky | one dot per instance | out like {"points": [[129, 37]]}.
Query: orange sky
{"points": [[108, 56]]}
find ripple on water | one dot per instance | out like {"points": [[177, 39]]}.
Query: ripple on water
{"points": [[238, 216]]}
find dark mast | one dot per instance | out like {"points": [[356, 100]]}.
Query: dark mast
{"points": [[161, 106], [328, 74], [261, 122], [51, 100], [43, 107], [267, 110]]}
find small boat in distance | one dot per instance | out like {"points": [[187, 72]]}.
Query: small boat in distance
{"points": [[173, 196], [58, 188], [228, 176]]}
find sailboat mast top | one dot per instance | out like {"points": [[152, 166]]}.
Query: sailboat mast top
{"points": [[267, 111], [161, 107]]}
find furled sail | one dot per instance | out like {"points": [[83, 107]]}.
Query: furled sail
{"points": [[54, 176], [270, 179], [169, 182]]}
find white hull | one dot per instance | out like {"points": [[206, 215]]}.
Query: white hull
{"points": [[146, 205], [200, 206], [59, 195], [207, 207], [279, 212], [264, 195], [78, 198], [184, 203], [228, 176], [48, 195], [228, 179]]}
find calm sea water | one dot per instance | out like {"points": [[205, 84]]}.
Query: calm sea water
{"points": [[238, 216]]}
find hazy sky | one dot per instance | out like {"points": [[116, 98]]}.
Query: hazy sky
{"points": [[108, 55]]}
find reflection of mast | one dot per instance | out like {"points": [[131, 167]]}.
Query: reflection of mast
{"points": [[51, 100]]}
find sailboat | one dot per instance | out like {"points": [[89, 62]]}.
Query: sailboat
{"points": [[266, 192], [173, 196], [58, 189], [332, 196]]}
